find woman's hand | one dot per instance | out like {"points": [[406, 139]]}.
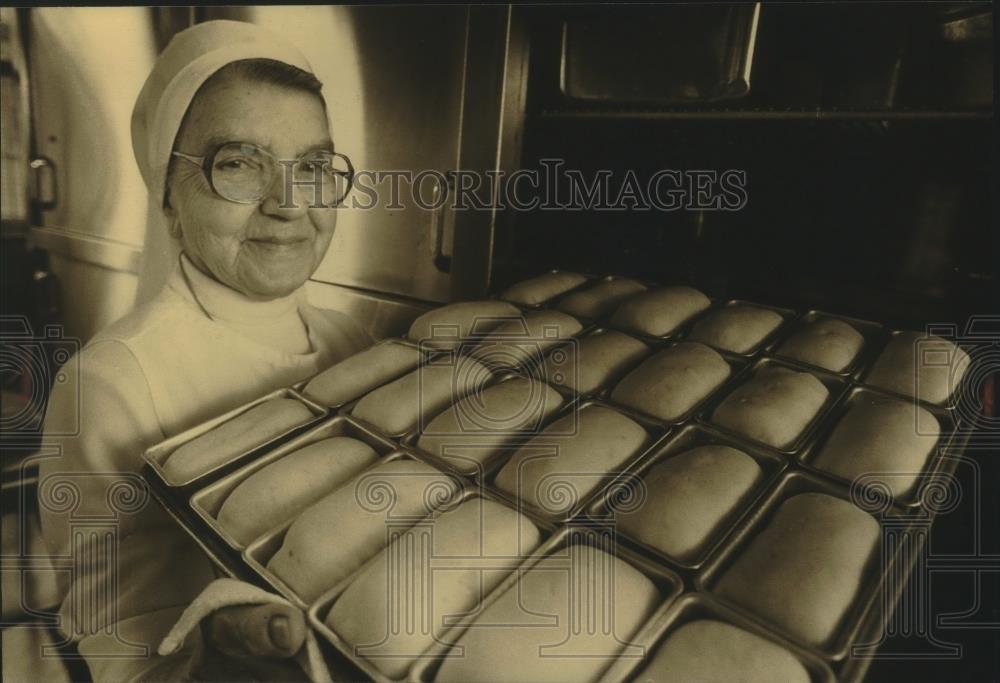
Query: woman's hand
{"points": [[269, 630]]}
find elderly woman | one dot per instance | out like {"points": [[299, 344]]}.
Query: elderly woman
{"points": [[232, 135]]}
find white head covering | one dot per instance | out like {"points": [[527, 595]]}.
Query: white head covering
{"points": [[192, 56]]}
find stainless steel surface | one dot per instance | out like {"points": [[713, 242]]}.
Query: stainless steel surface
{"points": [[98, 251]]}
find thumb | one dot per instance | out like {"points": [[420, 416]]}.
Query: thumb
{"points": [[269, 630]]}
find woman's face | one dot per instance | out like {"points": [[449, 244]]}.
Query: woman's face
{"points": [[262, 250]]}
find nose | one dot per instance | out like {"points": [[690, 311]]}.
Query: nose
{"points": [[286, 199]]}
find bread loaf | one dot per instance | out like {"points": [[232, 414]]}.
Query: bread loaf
{"points": [[659, 311], [554, 624], [553, 472], [774, 407], [599, 299], [709, 651], [444, 327], [827, 343], [516, 343], [540, 289], [671, 382], [274, 494], [397, 407], [594, 360], [816, 543], [738, 328], [472, 431], [884, 437], [402, 587], [922, 366], [232, 438], [337, 534], [362, 372], [688, 498]]}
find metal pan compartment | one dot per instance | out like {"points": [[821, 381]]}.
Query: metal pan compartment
{"points": [[791, 484], [836, 386], [614, 377], [873, 333], [258, 553], [588, 279], [156, 456], [207, 502], [788, 316], [337, 407], [513, 440], [601, 319], [655, 435], [692, 607], [936, 466], [676, 333], [669, 585], [320, 608], [691, 436], [738, 369], [953, 400]]}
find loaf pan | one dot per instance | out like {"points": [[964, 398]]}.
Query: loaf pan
{"points": [[791, 484], [873, 333], [207, 502], [156, 456], [772, 464], [787, 314]]}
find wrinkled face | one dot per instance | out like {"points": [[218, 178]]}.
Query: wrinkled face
{"points": [[263, 250]]}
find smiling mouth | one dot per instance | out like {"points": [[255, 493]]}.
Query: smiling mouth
{"points": [[278, 241]]}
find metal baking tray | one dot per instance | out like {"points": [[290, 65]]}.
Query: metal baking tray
{"points": [[615, 377], [738, 369], [655, 434], [300, 387], [793, 483], [258, 553], [953, 400], [207, 502], [836, 386], [156, 456], [935, 467], [788, 315], [320, 608], [691, 607], [514, 438], [772, 464], [874, 335], [667, 582]]}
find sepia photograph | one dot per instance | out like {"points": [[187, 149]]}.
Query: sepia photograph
{"points": [[540, 342]]}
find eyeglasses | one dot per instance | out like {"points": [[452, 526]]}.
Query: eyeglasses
{"points": [[244, 173]]}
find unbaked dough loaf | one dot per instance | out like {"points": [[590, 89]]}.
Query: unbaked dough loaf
{"points": [[516, 343], [472, 431], [235, 437], [274, 494], [397, 407], [599, 299], [923, 366], [660, 311], [478, 529], [444, 327], [827, 343], [688, 497], [521, 635], [804, 570], [739, 328], [361, 373], [881, 436], [671, 382], [540, 289], [553, 472], [333, 537], [594, 360], [774, 407], [709, 651]]}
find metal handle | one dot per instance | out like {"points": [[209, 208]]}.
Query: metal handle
{"points": [[50, 200], [437, 224]]}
